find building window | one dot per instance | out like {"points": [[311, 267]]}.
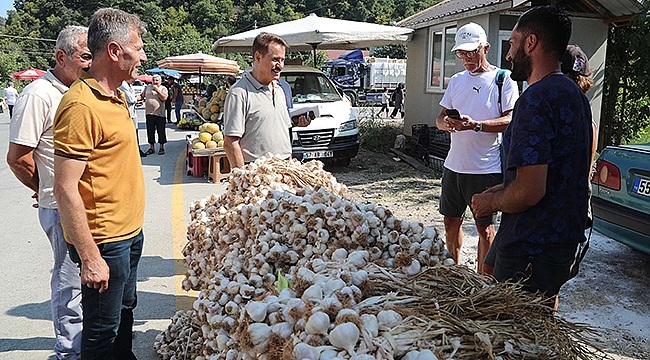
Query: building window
{"points": [[441, 40]]}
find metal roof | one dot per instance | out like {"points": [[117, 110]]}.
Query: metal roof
{"points": [[611, 11]]}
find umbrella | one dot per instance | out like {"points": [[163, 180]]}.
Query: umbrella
{"points": [[145, 78], [312, 31], [28, 74], [166, 72], [199, 63]]}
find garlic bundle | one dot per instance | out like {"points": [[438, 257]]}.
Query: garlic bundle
{"points": [[280, 216]]}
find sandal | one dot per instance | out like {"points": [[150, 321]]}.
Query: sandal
{"points": [[150, 151], [161, 152]]}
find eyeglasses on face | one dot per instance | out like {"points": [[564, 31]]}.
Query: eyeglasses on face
{"points": [[467, 54], [84, 56]]}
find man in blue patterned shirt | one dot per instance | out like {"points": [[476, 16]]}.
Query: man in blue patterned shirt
{"points": [[547, 156]]}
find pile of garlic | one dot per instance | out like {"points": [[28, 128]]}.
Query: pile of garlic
{"points": [[281, 217], [323, 315]]}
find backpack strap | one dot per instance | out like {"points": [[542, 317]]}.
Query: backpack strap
{"points": [[499, 79]]}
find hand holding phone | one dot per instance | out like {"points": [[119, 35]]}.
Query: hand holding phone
{"points": [[453, 113]]}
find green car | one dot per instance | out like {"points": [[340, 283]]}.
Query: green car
{"points": [[621, 195]]}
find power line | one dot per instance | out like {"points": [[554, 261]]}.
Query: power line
{"points": [[27, 38]]}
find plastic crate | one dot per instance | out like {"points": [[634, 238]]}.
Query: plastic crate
{"points": [[218, 167], [197, 166], [439, 142], [437, 164]]}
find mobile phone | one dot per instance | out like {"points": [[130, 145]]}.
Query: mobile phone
{"points": [[452, 113]]}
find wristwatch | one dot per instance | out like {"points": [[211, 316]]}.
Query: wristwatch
{"points": [[478, 127]]}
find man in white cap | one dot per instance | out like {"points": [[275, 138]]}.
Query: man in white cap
{"points": [[474, 163]]}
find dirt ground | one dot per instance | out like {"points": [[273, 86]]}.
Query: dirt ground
{"points": [[610, 293]]}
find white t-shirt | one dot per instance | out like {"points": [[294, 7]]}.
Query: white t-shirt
{"points": [[11, 95], [385, 98], [31, 126], [477, 96], [131, 99]]}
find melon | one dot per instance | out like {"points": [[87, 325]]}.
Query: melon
{"points": [[205, 136], [218, 136], [198, 145], [220, 143], [210, 144], [211, 128]]}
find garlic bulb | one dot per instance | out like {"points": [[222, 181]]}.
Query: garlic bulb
{"points": [[256, 310], [370, 324], [318, 323], [303, 351], [259, 336], [388, 319], [413, 269], [313, 293], [345, 336]]}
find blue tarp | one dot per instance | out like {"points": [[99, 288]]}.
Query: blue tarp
{"points": [[166, 72], [352, 55]]}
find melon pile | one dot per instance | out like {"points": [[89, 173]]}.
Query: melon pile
{"points": [[210, 137], [209, 109]]}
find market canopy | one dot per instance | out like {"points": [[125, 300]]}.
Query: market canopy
{"points": [[145, 78], [199, 63], [312, 31], [164, 72], [28, 74]]}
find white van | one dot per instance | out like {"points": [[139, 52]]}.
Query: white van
{"points": [[333, 135]]}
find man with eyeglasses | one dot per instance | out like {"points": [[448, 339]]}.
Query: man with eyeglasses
{"points": [[256, 119], [31, 158], [473, 163]]}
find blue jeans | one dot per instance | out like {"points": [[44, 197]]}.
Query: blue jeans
{"points": [[108, 317], [65, 286], [177, 109]]}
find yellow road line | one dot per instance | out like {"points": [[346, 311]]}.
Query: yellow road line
{"points": [[184, 300]]}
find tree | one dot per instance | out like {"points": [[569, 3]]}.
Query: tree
{"points": [[626, 99]]}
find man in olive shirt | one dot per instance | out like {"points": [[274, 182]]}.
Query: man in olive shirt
{"points": [[256, 119]]}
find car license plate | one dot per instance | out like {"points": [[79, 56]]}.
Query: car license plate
{"points": [[318, 154], [641, 187]]}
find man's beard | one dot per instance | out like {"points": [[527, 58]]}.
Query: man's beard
{"points": [[521, 66]]}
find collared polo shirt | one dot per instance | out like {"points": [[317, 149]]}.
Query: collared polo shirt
{"points": [[95, 127], [259, 117]]}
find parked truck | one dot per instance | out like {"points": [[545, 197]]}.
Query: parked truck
{"points": [[364, 79]]}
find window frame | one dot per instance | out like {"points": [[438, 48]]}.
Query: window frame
{"points": [[445, 55]]}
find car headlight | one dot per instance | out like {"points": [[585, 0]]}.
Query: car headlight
{"points": [[348, 125]]}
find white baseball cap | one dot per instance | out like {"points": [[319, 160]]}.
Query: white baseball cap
{"points": [[469, 37]]}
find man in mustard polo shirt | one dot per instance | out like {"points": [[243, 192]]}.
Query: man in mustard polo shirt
{"points": [[101, 205]]}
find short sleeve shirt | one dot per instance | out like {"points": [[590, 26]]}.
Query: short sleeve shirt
{"points": [[96, 128], [477, 95], [259, 117], [11, 94], [31, 126], [551, 125], [152, 104]]}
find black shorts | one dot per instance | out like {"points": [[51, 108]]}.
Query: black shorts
{"points": [[545, 272], [457, 192]]}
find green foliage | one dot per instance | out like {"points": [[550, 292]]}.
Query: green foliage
{"points": [[391, 51], [626, 98], [377, 135], [640, 137]]}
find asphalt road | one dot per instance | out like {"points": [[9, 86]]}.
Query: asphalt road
{"points": [[25, 327]]}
